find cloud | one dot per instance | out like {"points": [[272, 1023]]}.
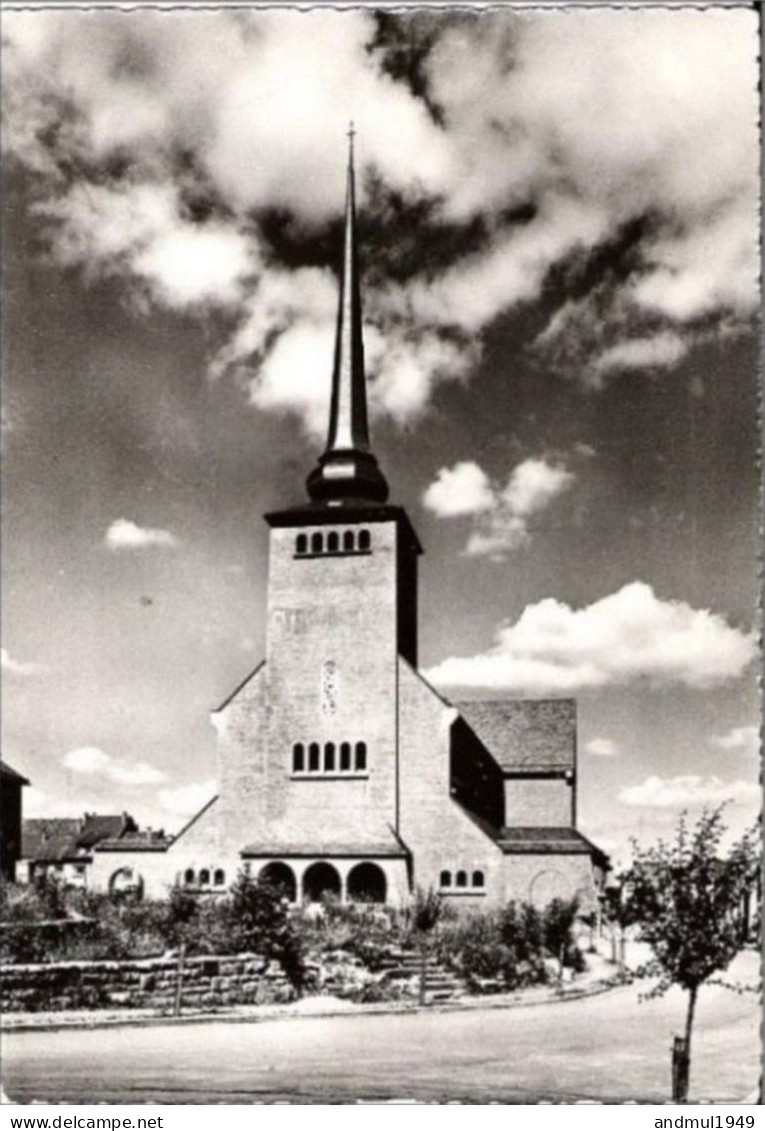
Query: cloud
{"points": [[661, 351], [738, 740], [462, 489], [126, 535], [187, 800], [602, 748], [19, 667], [90, 760], [628, 636], [162, 143], [502, 513], [689, 790]]}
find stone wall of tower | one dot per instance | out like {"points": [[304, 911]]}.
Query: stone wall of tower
{"points": [[330, 677]]}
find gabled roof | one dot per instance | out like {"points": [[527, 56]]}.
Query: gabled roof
{"points": [[98, 827], [51, 838], [525, 735], [71, 838], [7, 773]]}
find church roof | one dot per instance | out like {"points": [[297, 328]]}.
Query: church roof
{"points": [[525, 735], [9, 774], [322, 849], [543, 840]]}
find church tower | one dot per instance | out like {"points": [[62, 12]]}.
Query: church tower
{"points": [[324, 765]]}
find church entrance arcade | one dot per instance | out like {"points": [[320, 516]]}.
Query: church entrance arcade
{"points": [[344, 879]]}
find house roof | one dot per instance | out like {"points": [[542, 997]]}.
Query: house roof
{"points": [[9, 774], [51, 838], [71, 838], [525, 735]]}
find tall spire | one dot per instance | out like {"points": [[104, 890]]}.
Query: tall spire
{"points": [[347, 470]]}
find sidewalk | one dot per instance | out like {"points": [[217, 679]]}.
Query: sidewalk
{"points": [[600, 977]]}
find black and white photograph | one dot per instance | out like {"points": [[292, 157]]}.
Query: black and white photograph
{"points": [[380, 513]]}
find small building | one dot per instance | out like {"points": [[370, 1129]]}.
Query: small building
{"points": [[341, 771], [62, 847], [11, 786]]}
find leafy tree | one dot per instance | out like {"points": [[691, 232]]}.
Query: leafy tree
{"points": [[686, 896], [558, 926], [260, 921]]}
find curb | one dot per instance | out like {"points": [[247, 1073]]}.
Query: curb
{"points": [[91, 1020]]}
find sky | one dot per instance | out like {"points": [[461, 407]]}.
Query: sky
{"points": [[558, 217]]}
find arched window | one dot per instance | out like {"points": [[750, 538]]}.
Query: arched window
{"points": [[367, 884], [317, 543], [280, 876], [345, 755], [204, 876], [478, 880], [321, 880], [349, 541], [361, 755], [445, 879], [313, 756], [461, 879], [329, 757], [301, 544], [219, 877], [333, 542], [364, 540], [298, 758], [188, 876]]}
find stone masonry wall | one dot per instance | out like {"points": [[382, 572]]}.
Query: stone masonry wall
{"points": [[142, 983]]}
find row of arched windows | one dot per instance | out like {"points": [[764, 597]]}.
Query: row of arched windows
{"points": [[205, 878], [329, 759], [478, 880], [334, 543]]}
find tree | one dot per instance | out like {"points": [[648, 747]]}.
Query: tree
{"points": [[620, 914], [558, 926], [260, 922], [686, 897]]}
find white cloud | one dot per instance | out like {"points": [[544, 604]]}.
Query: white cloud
{"points": [[661, 351], [462, 489], [19, 667], [602, 748], [91, 760], [501, 514], [739, 740], [690, 790], [628, 636], [249, 101], [126, 535], [187, 800]]}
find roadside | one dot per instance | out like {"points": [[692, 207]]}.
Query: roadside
{"points": [[601, 976]]}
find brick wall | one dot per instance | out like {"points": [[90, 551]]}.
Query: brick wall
{"points": [[143, 983]]}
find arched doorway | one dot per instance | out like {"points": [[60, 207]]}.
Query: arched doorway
{"points": [[280, 876], [549, 885], [125, 882], [367, 884], [321, 880]]}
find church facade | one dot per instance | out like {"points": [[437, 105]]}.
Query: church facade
{"points": [[341, 771]]}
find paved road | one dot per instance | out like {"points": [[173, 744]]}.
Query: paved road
{"points": [[610, 1047]]}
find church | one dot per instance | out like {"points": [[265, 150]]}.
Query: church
{"points": [[341, 771]]}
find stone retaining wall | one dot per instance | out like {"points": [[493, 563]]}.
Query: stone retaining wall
{"points": [[243, 979]]}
